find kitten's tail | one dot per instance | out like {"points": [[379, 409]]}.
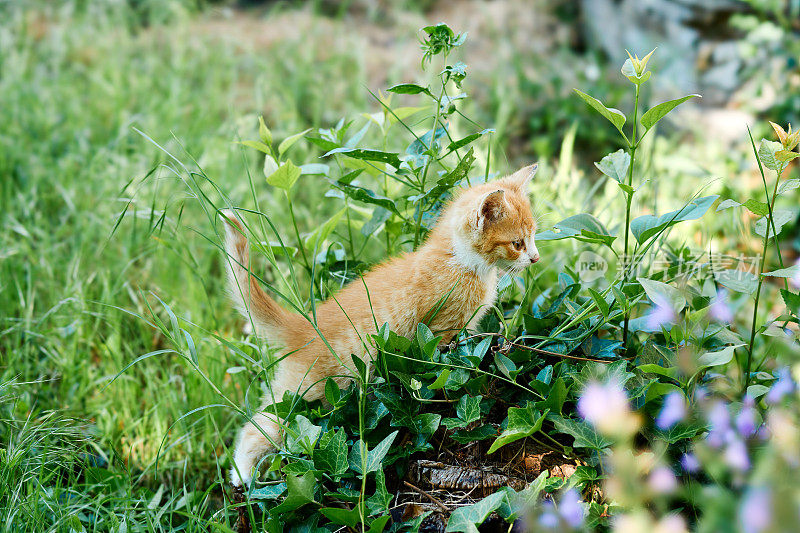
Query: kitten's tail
{"points": [[245, 290]]}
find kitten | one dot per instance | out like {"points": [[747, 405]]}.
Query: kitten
{"points": [[485, 229]]}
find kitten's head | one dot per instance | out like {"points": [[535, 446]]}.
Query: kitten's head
{"points": [[493, 225]]}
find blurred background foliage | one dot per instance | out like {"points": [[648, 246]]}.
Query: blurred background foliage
{"points": [[94, 224]]}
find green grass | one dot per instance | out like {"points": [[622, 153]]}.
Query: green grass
{"points": [[103, 237]]}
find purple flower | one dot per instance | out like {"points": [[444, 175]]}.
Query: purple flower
{"points": [[662, 480], [795, 280], [600, 400], [661, 315], [755, 513], [720, 422], [782, 387], [548, 519], [690, 463], [570, 508], [736, 455], [672, 412], [746, 420], [719, 309]]}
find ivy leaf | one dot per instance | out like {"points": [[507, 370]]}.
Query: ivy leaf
{"points": [[285, 177], [374, 456], [646, 226], [331, 456], [615, 165], [585, 436], [301, 492], [302, 435], [656, 113], [344, 517], [615, 116], [468, 518], [522, 422], [469, 408]]}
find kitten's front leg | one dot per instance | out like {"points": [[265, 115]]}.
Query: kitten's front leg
{"points": [[256, 439]]}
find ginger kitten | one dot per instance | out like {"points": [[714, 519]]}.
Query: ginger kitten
{"points": [[484, 229]]}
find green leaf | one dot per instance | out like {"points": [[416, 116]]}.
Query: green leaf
{"points": [[788, 185], [345, 517], [367, 196], [656, 113], [780, 217], [615, 116], [318, 236], [285, 177], [657, 291], [288, 142], [629, 72], [505, 365], [408, 88], [441, 379], [468, 518], [261, 147], [270, 492], [522, 422], [720, 357], [759, 208], [455, 145], [469, 408], [789, 272], [301, 492], [646, 226], [263, 132], [585, 436], [374, 456], [737, 280], [791, 300], [367, 155], [680, 432], [583, 227], [600, 302], [767, 153], [331, 456], [615, 165], [302, 435]]}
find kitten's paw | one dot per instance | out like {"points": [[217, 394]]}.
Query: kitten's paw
{"points": [[240, 479]]}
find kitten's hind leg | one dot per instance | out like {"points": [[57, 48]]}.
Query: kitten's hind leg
{"points": [[256, 438]]}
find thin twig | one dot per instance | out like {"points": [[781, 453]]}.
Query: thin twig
{"points": [[432, 498]]}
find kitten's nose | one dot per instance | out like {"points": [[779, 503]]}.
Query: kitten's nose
{"points": [[534, 258]]}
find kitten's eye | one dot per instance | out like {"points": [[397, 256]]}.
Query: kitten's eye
{"points": [[518, 244]]}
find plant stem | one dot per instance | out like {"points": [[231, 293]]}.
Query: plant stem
{"points": [[297, 232], [626, 259], [765, 248], [430, 158]]}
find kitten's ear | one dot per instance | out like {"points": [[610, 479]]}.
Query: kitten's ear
{"points": [[522, 177], [492, 208]]}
